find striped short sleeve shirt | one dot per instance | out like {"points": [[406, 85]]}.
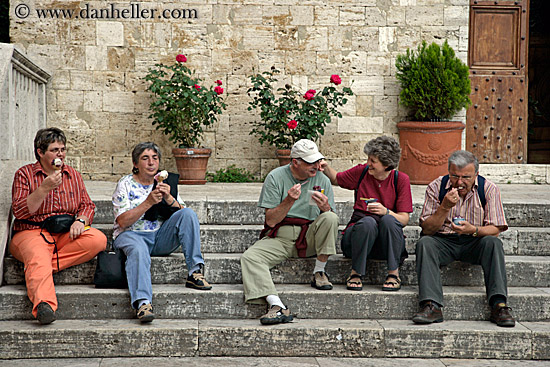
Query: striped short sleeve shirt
{"points": [[468, 207], [70, 197]]}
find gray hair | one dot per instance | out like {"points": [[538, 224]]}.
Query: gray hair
{"points": [[386, 149], [140, 148], [462, 158]]}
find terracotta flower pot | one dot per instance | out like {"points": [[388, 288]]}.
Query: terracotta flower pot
{"points": [[426, 147], [192, 163], [284, 156]]}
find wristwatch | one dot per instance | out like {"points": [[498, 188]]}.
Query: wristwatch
{"points": [[81, 221], [475, 233]]}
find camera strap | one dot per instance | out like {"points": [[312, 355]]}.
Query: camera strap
{"points": [[54, 243]]}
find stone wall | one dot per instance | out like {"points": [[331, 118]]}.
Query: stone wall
{"points": [[98, 97]]}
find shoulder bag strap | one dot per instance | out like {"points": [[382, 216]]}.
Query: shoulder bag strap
{"points": [[442, 189], [359, 182]]}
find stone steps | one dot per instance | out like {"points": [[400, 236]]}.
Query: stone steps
{"points": [[227, 301], [522, 271], [303, 337], [235, 238], [97, 323], [247, 212]]}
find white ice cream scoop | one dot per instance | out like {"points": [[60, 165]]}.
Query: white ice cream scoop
{"points": [[161, 176], [57, 162]]}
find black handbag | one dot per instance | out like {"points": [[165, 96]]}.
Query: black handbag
{"points": [[110, 270]]}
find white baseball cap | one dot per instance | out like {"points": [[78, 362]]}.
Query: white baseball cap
{"points": [[307, 150]]}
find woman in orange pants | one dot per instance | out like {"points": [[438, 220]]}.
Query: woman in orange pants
{"points": [[40, 190]]}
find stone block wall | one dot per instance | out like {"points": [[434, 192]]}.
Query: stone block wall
{"points": [[97, 94]]}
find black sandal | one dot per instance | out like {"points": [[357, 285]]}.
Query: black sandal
{"points": [[390, 282], [350, 281]]}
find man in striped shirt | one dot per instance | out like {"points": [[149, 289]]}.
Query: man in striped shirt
{"points": [[40, 190], [460, 227]]}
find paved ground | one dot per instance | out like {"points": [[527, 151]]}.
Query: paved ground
{"points": [[278, 362]]}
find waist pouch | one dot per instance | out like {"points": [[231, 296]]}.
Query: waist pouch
{"points": [[58, 223], [55, 224]]}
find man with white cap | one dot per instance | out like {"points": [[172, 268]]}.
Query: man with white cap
{"points": [[299, 222]]}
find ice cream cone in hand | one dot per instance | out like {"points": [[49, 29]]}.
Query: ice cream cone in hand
{"points": [[57, 163], [161, 176]]}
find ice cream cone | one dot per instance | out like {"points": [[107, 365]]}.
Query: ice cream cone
{"points": [[161, 176], [57, 163]]}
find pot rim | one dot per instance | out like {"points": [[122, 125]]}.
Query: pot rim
{"points": [[430, 126]]}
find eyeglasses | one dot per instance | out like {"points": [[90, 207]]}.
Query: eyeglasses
{"points": [[57, 150], [463, 178], [310, 164]]}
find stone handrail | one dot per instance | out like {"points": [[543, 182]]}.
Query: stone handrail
{"points": [[22, 113]]}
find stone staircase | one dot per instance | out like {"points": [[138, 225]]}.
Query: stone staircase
{"points": [[339, 323]]}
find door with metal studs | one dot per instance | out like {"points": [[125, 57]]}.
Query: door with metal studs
{"points": [[496, 122]]}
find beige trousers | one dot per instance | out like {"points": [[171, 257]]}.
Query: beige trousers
{"points": [[269, 252]]}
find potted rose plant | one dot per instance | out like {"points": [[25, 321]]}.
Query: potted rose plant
{"points": [[183, 106], [288, 115], [435, 85]]}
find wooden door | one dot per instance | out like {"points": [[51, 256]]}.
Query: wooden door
{"points": [[496, 123]]}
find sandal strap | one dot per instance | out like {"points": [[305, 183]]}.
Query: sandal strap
{"points": [[353, 276], [392, 276]]}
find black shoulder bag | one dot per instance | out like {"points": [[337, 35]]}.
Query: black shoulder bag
{"points": [[110, 270]]}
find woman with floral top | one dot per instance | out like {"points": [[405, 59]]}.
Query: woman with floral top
{"points": [[152, 220]]}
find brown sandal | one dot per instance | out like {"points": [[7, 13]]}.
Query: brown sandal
{"points": [[391, 281], [350, 281]]}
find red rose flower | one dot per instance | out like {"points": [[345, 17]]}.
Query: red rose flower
{"points": [[197, 87], [181, 58], [335, 79], [310, 94], [218, 90], [218, 82], [292, 124], [287, 111]]}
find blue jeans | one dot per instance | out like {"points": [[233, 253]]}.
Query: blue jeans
{"points": [[182, 228]]}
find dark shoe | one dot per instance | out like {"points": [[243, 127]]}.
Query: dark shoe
{"points": [[145, 313], [45, 314], [501, 315], [321, 282], [276, 315], [197, 281], [392, 283], [429, 313]]}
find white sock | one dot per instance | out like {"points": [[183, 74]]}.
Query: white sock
{"points": [[274, 300], [194, 269], [143, 302], [319, 266]]}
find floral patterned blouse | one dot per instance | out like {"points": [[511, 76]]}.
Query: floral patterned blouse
{"points": [[129, 194]]}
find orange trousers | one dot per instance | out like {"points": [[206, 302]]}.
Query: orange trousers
{"points": [[40, 262]]}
